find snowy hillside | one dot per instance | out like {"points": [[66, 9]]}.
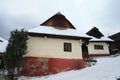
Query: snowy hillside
{"points": [[107, 68]]}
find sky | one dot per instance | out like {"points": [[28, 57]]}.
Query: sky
{"points": [[83, 14]]}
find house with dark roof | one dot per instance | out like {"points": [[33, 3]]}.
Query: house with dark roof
{"points": [[54, 46], [115, 46], [98, 45]]}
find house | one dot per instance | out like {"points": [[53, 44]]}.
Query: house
{"points": [[98, 45], [3, 44], [53, 47], [115, 46]]}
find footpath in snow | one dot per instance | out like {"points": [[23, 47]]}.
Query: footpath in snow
{"points": [[106, 68]]}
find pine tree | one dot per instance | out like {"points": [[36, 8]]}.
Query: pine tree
{"points": [[16, 49]]}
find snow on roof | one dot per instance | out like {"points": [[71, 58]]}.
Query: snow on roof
{"points": [[101, 39], [3, 44], [57, 31]]}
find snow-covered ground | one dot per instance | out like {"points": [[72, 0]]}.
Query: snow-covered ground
{"points": [[107, 68]]}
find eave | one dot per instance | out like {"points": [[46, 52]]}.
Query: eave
{"points": [[58, 36]]}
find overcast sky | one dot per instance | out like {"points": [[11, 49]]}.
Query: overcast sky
{"points": [[83, 14]]}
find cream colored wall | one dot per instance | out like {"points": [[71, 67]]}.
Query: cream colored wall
{"points": [[95, 51], [53, 48]]}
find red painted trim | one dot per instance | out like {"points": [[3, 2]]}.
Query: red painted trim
{"points": [[34, 66], [95, 55]]}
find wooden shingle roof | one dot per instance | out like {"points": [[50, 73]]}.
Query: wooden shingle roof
{"points": [[95, 33]]}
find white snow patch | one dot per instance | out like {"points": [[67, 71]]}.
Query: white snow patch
{"points": [[107, 68]]}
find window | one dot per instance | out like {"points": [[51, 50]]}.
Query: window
{"points": [[99, 47], [68, 47]]}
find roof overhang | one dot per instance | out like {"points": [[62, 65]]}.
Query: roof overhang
{"points": [[58, 36]]}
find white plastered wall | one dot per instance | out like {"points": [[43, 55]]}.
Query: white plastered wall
{"points": [[96, 51], [53, 48]]}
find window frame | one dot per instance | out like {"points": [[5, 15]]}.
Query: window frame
{"points": [[98, 47], [67, 47]]}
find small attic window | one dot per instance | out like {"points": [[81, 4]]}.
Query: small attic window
{"points": [[67, 47]]}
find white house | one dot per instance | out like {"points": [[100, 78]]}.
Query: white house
{"points": [[53, 47], [3, 44], [98, 45]]}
